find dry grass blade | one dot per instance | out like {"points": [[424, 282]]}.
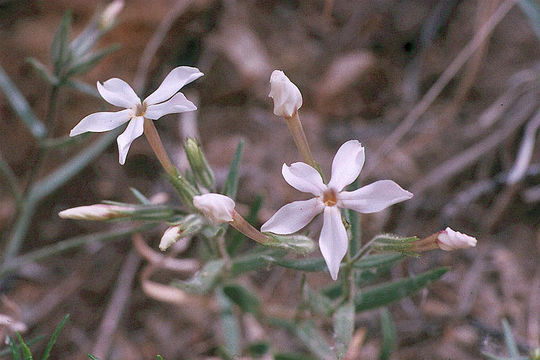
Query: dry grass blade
{"points": [[421, 107], [117, 304], [165, 262]]}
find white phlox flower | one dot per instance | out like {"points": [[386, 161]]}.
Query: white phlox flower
{"points": [[329, 198], [216, 207], [165, 100], [287, 98], [449, 240]]}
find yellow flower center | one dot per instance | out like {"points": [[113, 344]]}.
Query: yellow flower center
{"points": [[140, 110], [330, 197]]}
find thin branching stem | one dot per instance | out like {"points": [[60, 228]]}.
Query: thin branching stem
{"points": [[11, 181], [363, 250]]}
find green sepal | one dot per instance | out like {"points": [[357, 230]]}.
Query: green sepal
{"points": [[298, 243], [199, 165]]}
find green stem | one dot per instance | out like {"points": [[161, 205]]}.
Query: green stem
{"points": [[42, 151], [68, 244], [48, 185], [363, 250], [11, 181]]}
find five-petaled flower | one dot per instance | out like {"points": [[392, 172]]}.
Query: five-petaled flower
{"points": [[329, 198], [165, 100]]}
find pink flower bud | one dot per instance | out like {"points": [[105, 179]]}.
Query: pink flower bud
{"points": [[449, 240]]}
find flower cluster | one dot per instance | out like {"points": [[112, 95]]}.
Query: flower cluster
{"points": [[328, 198]]}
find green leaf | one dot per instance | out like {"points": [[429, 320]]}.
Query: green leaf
{"points": [[52, 341], [388, 335], [86, 63], [92, 357], [8, 351], [43, 71], [291, 356], [247, 301], [382, 295], [25, 349], [230, 326], [60, 46], [62, 141], [493, 357], [343, 328], [509, 340], [258, 349], [20, 106], [159, 357], [69, 244], [316, 302], [531, 9], [231, 184], [14, 349], [377, 260], [313, 340], [366, 276], [306, 264], [204, 280], [254, 260], [83, 87], [142, 199]]}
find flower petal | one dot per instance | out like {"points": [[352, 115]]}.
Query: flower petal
{"points": [[304, 178], [118, 93], [173, 82], [373, 197], [101, 121], [134, 129], [347, 164], [292, 217], [333, 240], [177, 104]]}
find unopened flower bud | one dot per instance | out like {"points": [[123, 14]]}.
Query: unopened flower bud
{"points": [[98, 212], [170, 236], [449, 240], [110, 13], [287, 98], [216, 207], [197, 161], [189, 225]]}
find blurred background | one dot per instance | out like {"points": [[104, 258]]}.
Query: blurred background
{"points": [[443, 94]]}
